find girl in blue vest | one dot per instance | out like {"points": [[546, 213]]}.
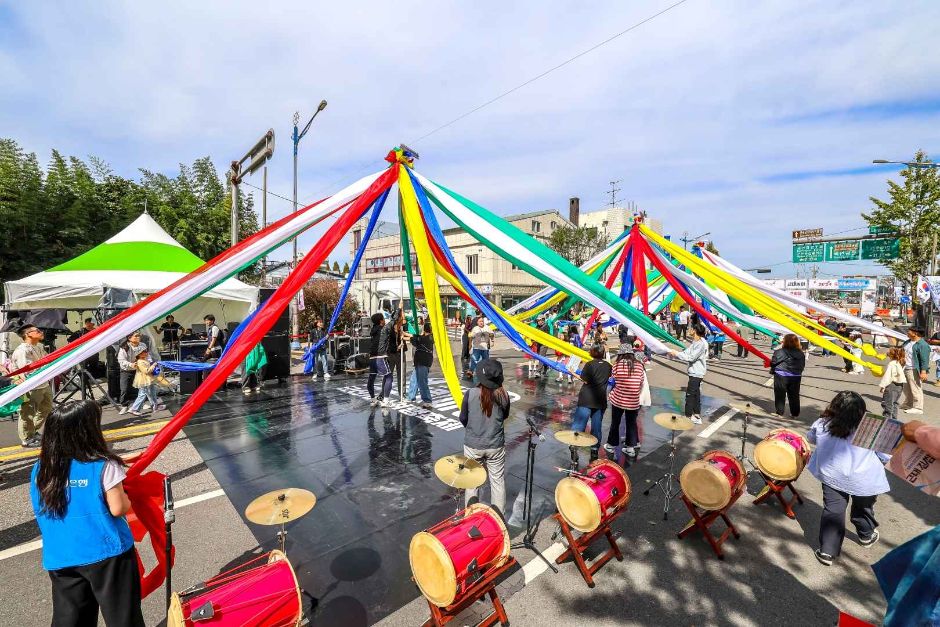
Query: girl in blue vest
{"points": [[79, 501]]}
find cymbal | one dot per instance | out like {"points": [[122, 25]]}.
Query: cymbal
{"points": [[280, 506], [576, 438], [749, 408], [673, 422], [459, 471]]}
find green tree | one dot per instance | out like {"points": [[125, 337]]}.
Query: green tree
{"points": [[577, 244], [346, 268], [913, 210], [710, 247], [320, 298], [335, 266]]}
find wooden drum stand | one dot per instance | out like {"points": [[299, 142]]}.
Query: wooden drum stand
{"points": [[703, 519], [578, 546], [485, 586], [776, 488]]}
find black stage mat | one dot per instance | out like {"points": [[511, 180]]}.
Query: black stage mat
{"points": [[373, 475]]}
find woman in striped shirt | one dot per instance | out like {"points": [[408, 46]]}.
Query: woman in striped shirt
{"points": [[629, 375]]}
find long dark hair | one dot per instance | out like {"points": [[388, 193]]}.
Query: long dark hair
{"points": [[72, 432], [630, 358], [488, 397], [844, 413]]}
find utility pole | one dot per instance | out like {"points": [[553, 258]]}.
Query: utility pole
{"points": [[257, 156], [613, 192], [264, 217], [234, 179]]}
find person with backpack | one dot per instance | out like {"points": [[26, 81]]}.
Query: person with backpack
{"points": [[215, 337]]}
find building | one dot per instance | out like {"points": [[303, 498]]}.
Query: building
{"points": [[380, 279], [612, 221]]}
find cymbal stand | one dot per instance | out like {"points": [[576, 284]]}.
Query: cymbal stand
{"points": [[282, 538], [528, 540], [665, 482], [743, 458], [575, 462]]}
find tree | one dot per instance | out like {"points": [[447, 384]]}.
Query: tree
{"points": [[913, 211], [335, 266], [577, 244], [320, 298], [710, 247], [346, 268]]}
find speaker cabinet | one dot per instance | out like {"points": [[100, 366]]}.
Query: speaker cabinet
{"points": [[282, 324], [277, 349], [190, 380]]}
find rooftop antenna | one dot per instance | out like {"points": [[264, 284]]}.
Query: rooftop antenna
{"points": [[613, 192]]}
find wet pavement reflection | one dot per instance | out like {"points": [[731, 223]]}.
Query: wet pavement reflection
{"points": [[372, 472]]}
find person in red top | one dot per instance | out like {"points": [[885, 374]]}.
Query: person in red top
{"points": [[629, 375]]}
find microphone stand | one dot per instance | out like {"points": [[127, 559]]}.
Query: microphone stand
{"points": [[528, 538], [169, 517]]}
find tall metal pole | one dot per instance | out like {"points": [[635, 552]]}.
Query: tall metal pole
{"points": [[264, 217], [295, 318], [234, 203]]}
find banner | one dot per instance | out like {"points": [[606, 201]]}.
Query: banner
{"points": [[823, 284], [856, 285], [869, 298], [934, 282]]}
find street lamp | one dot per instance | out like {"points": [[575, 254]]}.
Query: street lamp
{"points": [[758, 270], [910, 164], [296, 137], [686, 239]]}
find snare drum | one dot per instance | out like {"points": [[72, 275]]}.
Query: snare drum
{"points": [[711, 481], [451, 556], [265, 595], [584, 502], [782, 455]]}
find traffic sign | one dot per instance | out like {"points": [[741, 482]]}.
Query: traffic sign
{"points": [[881, 248], [807, 233], [881, 230], [842, 250], [808, 253], [905, 300]]}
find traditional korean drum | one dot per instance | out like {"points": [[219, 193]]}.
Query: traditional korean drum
{"points": [[585, 501], [250, 595], [711, 481], [782, 455], [451, 556]]}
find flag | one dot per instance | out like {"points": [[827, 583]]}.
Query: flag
{"points": [[300, 301], [923, 289], [934, 289]]}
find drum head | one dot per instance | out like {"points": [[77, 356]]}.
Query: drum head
{"points": [[778, 460], [578, 504], [174, 614], [705, 485], [433, 569]]}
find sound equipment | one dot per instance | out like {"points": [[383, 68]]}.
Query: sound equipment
{"points": [[277, 349], [282, 324], [190, 380]]}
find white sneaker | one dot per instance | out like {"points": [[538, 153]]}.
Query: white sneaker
{"points": [[314, 377], [134, 412], [123, 410], [159, 407], [326, 377], [914, 410], [610, 449], [374, 402], [629, 451], [246, 391], [696, 419], [427, 405], [385, 403]]}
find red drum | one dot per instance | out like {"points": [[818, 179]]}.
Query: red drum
{"points": [[711, 481], [449, 557], [586, 501], [265, 595], [782, 455]]}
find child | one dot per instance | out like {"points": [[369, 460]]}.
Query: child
{"points": [[892, 383], [78, 498], [846, 472], [719, 342], [145, 383]]}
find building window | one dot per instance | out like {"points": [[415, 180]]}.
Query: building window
{"points": [[513, 266], [554, 225], [536, 226], [473, 264]]}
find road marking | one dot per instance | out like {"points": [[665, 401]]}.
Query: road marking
{"points": [[715, 426], [35, 545], [537, 566], [13, 453]]}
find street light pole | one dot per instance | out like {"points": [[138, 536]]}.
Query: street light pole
{"points": [[686, 239], [296, 137]]}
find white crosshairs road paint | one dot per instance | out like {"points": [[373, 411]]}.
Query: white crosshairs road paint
{"points": [[715, 426]]}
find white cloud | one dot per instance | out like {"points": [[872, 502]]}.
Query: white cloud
{"points": [[697, 111]]}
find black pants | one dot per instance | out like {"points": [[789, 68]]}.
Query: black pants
{"points": [[693, 396], [832, 524], [787, 389], [128, 391], [395, 366], [113, 585], [632, 437], [372, 375], [742, 352], [682, 331]]}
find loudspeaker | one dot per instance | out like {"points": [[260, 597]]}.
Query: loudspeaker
{"points": [[282, 324], [277, 349], [190, 380]]}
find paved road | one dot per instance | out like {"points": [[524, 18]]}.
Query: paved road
{"points": [[769, 576]]}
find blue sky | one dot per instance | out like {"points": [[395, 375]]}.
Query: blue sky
{"points": [[746, 119]]}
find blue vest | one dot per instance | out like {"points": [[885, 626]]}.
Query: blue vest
{"points": [[88, 533]]}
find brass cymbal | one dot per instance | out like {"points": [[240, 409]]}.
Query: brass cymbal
{"points": [[749, 408], [459, 471], [575, 438], [673, 422], [280, 506]]}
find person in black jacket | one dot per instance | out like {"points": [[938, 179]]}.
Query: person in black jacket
{"points": [[423, 358], [786, 365], [378, 323], [483, 411]]}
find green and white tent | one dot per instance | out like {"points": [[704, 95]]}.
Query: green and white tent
{"points": [[142, 258]]}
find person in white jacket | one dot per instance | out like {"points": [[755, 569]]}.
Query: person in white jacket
{"points": [[696, 355], [892, 383]]}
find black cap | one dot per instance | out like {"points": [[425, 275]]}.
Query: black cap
{"points": [[489, 374]]}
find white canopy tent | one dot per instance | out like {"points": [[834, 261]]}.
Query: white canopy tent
{"points": [[142, 258]]}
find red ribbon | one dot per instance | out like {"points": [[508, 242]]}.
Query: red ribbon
{"points": [[146, 517]]}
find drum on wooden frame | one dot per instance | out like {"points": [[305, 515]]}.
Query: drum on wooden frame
{"points": [[711, 481], [586, 501], [782, 455]]}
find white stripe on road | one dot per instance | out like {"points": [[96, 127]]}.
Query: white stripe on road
{"points": [[715, 426], [537, 566], [35, 545]]}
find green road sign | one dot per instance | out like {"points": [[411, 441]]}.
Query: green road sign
{"points": [[843, 250], [808, 253], [881, 230], [881, 248]]}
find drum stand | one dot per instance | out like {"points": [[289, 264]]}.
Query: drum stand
{"points": [[486, 585], [743, 458], [776, 488], [577, 547], [665, 483], [169, 517], [703, 519], [528, 540]]}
